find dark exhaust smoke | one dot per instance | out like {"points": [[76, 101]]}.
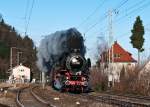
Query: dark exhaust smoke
{"points": [[55, 45]]}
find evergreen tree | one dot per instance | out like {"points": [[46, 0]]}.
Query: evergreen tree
{"points": [[4, 50], [137, 39]]}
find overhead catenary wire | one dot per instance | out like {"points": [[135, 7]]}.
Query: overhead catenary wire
{"points": [[138, 9], [105, 16], [135, 10], [29, 17], [134, 5], [26, 10], [95, 10], [25, 15], [131, 7], [122, 3], [91, 27]]}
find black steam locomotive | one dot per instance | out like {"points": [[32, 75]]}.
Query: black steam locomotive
{"points": [[71, 73]]}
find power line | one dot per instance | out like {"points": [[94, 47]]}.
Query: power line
{"points": [[133, 6], [136, 4], [91, 27], [96, 9], [25, 15], [30, 13], [121, 4], [103, 18], [135, 10], [26, 10]]}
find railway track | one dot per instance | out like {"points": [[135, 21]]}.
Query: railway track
{"points": [[118, 101], [113, 100], [132, 96], [27, 98]]}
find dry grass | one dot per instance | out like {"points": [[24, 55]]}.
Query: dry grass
{"points": [[132, 84], [98, 80]]}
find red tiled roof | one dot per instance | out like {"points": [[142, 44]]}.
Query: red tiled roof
{"points": [[120, 54]]}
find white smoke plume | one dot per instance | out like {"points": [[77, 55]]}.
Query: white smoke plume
{"points": [[53, 46]]}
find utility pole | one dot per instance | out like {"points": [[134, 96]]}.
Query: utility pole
{"points": [[43, 79], [110, 50], [110, 35], [11, 58], [18, 57]]}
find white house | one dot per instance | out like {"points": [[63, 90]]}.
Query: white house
{"points": [[21, 72], [113, 61]]}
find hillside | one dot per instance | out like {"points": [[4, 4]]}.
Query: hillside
{"points": [[9, 37]]}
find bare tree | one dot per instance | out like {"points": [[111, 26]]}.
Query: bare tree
{"points": [[101, 48]]}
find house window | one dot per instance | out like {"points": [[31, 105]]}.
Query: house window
{"points": [[23, 76], [21, 70], [117, 55]]}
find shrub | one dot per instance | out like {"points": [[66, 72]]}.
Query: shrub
{"points": [[98, 80]]}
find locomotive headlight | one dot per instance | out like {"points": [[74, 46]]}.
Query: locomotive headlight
{"points": [[67, 78], [75, 62]]}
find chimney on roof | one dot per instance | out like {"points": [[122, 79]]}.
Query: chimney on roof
{"points": [[115, 42]]}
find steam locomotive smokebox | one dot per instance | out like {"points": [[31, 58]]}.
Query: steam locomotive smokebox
{"points": [[75, 62]]}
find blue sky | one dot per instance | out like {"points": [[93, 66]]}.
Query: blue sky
{"points": [[49, 16]]}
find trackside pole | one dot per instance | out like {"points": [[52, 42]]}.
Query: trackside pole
{"points": [[43, 80]]}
